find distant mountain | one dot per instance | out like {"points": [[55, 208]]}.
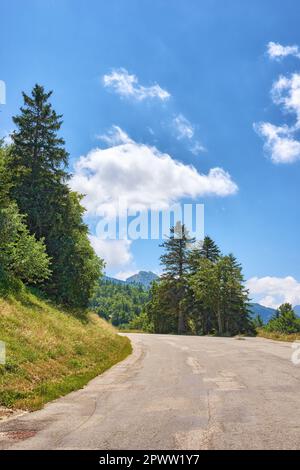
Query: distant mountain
{"points": [[297, 310], [265, 313], [113, 280], [143, 277]]}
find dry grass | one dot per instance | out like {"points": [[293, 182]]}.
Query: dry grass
{"points": [[278, 336], [51, 352]]}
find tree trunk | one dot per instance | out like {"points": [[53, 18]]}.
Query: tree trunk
{"points": [[181, 322], [220, 325]]}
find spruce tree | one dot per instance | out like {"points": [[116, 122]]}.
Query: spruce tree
{"points": [[38, 162], [207, 249], [175, 263]]}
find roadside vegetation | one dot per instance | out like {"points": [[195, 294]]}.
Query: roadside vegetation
{"points": [[283, 326], [120, 304]]}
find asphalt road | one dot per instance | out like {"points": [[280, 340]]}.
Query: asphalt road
{"points": [[176, 393]]}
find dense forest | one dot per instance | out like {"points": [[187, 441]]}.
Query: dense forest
{"points": [[119, 303], [44, 241]]}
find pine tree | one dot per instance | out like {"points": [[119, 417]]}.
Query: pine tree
{"points": [[207, 249], [175, 260], [220, 288], [38, 162], [201, 317], [234, 301], [175, 263]]}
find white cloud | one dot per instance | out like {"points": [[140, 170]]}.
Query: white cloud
{"points": [[127, 85], [183, 127], [273, 291], [286, 92], [277, 51], [144, 177], [184, 130], [115, 136], [115, 253], [123, 275], [280, 143]]}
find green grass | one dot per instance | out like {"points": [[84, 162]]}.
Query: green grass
{"points": [[49, 352], [128, 330], [278, 336]]}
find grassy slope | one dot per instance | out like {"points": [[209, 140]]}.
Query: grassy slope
{"points": [[49, 352]]}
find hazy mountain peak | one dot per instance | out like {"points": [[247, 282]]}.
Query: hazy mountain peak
{"points": [[142, 277]]}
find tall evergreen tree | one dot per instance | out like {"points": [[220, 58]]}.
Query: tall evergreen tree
{"points": [[210, 250], [37, 166], [38, 162], [220, 288], [175, 260], [175, 263], [207, 249]]}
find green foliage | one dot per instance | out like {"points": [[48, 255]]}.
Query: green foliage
{"points": [[141, 323], [21, 254], [258, 321], [284, 321], [175, 262], [119, 303], [163, 307], [220, 288], [207, 249]]}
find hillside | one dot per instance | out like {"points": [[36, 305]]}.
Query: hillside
{"points": [[118, 302], [50, 352], [265, 313]]}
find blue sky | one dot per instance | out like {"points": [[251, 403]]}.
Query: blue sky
{"points": [[212, 60]]}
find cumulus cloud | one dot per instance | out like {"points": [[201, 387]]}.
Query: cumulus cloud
{"points": [[127, 85], [273, 291], [115, 253], [144, 177], [277, 51], [281, 142], [286, 92]]}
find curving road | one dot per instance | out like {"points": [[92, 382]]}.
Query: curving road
{"points": [[176, 392]]}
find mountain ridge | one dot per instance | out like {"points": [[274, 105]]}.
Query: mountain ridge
{"points": [[144, 278]]}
